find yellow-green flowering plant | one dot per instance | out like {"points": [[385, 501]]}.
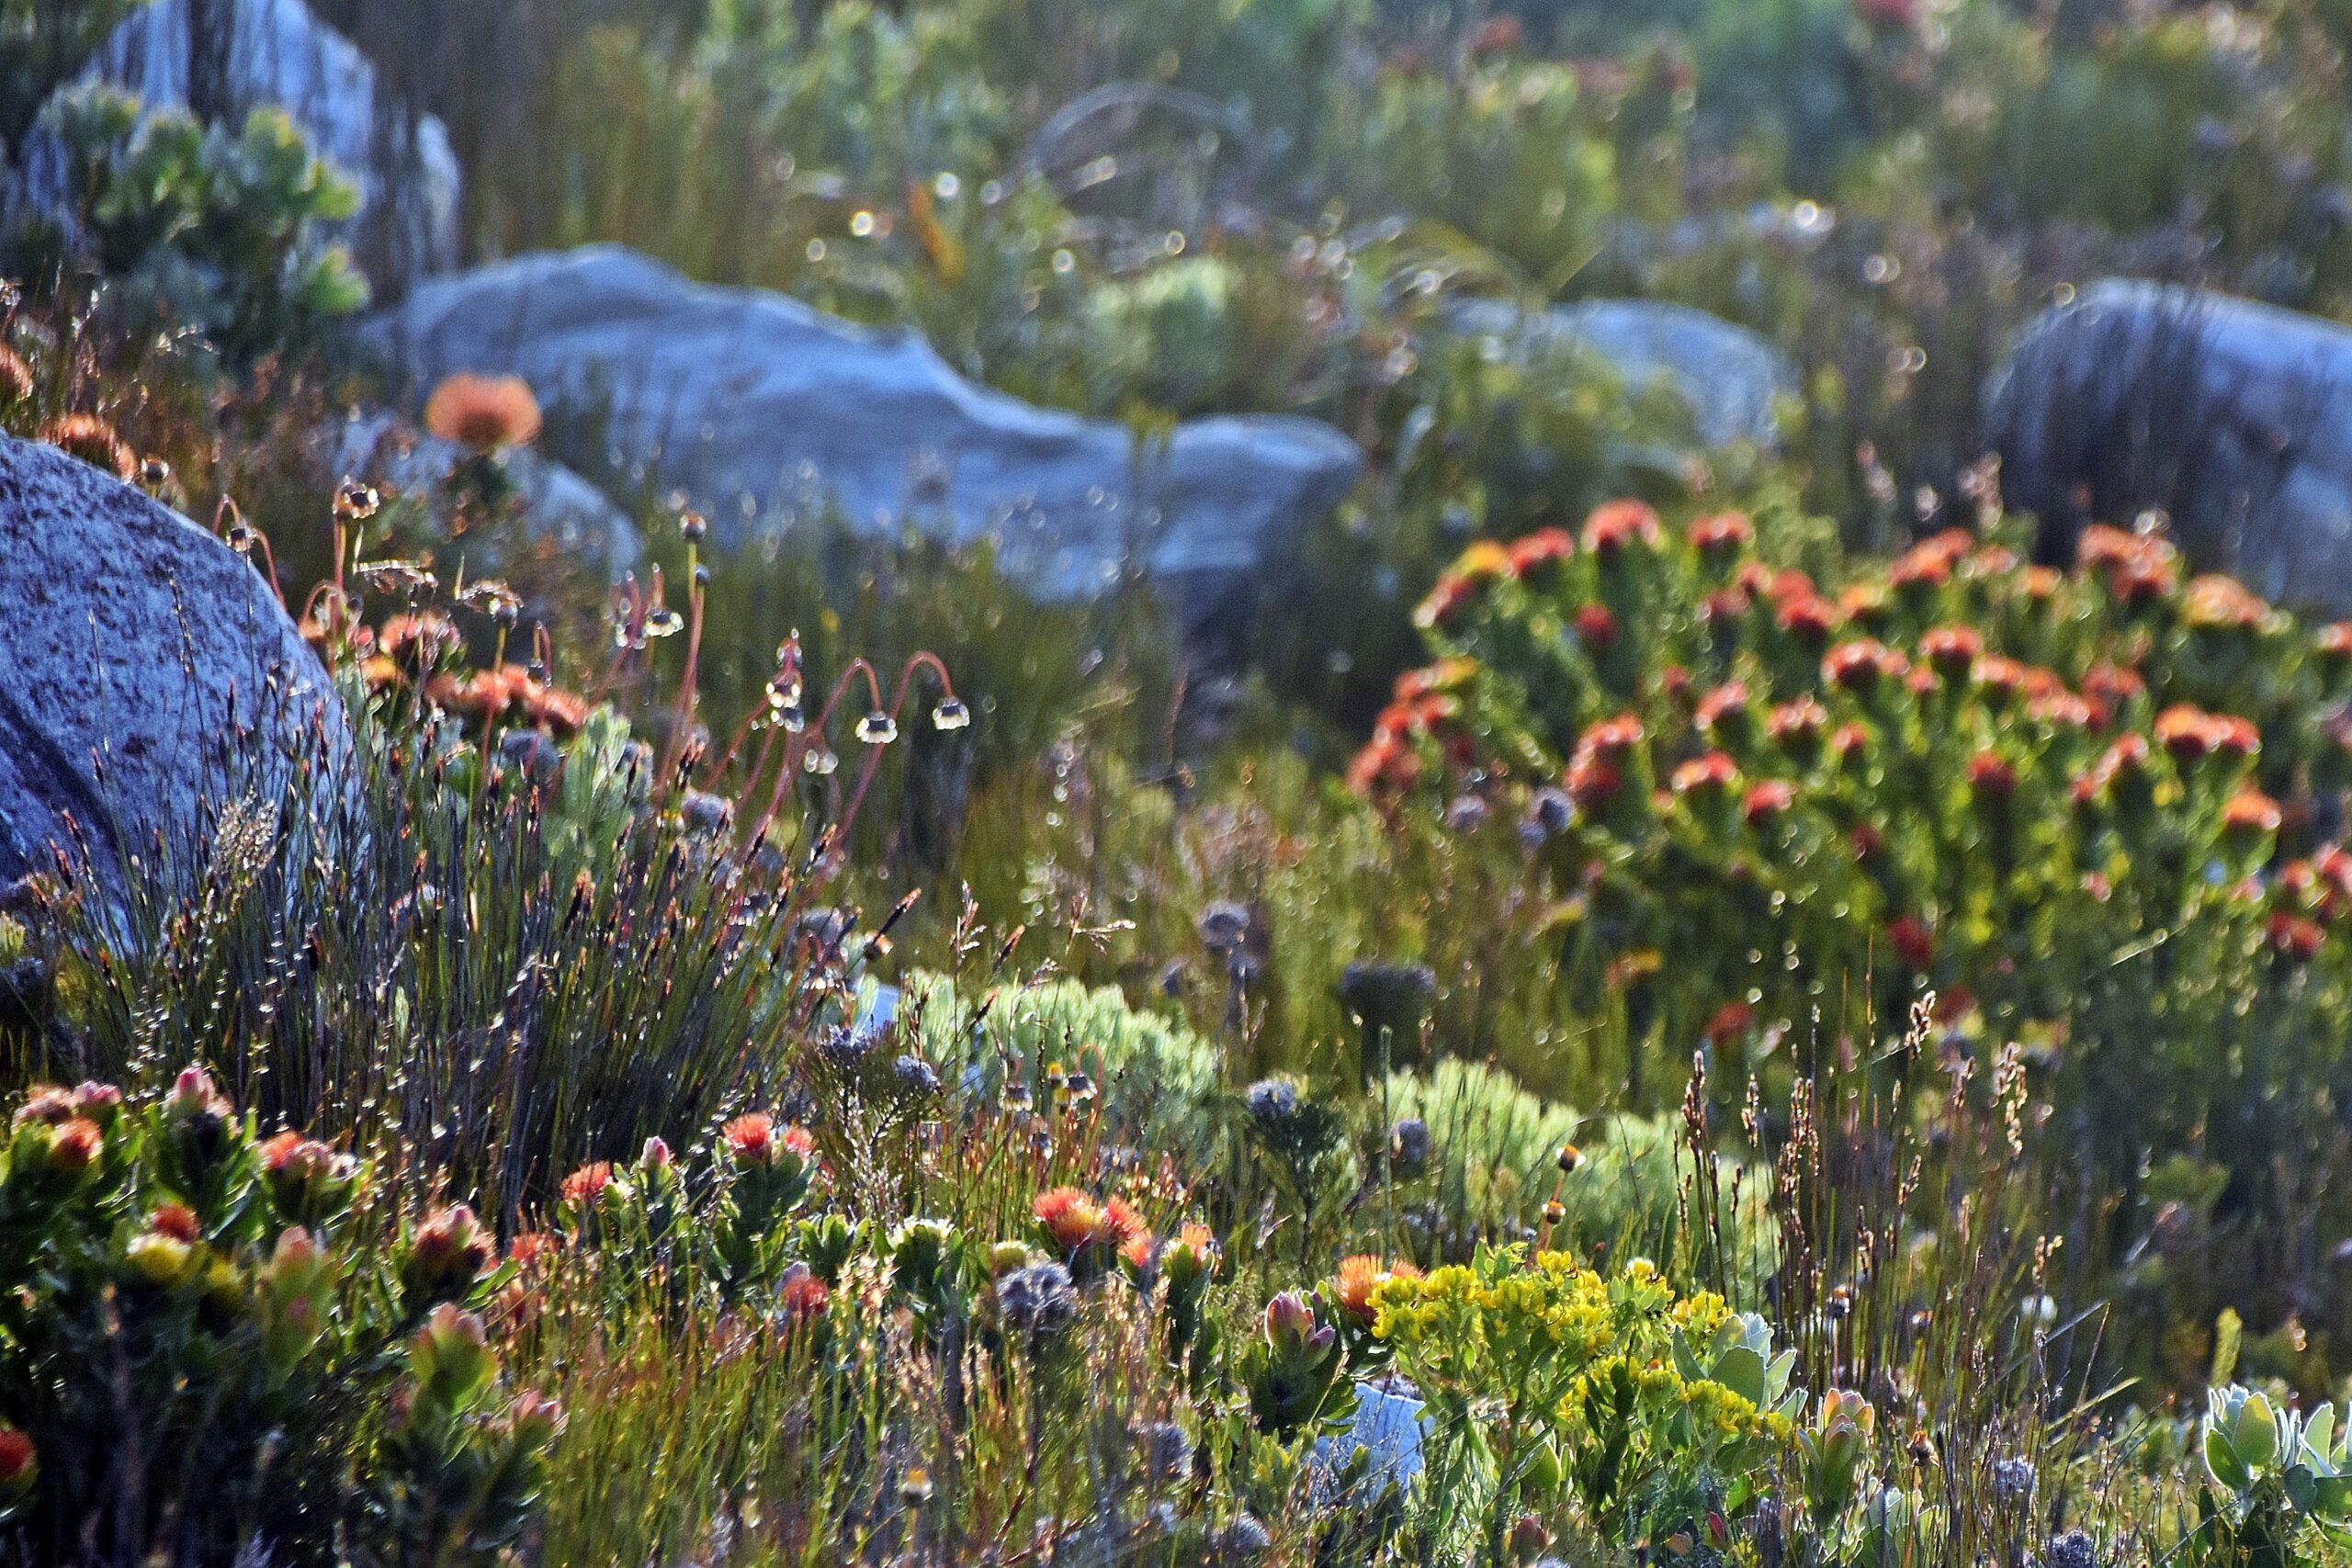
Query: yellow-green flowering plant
{"points": [[1552, 1384]]}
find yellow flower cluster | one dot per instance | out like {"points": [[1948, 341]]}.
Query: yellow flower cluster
{"points": [[1498, 1311]]}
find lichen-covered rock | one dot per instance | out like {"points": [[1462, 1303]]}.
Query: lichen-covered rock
{"points": [[2228, 416], [148, 676], [768, 415]]}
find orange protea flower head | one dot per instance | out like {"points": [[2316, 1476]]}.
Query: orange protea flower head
{"points": [[1928, 564], [1991, 776], [587, 1184], [1590, 782], [483, 414], [1615, 524], [76, 1147], [1596, 627], [1722, 534], [174, 1220], [1808, 618], [1613, 739], [2333, 642], [1724, 706], [2252, 813], [1725, 606], [1706, 774], [1359, 1278], [2215, 603], [1952, 650], [1766, 799], [1123, 1224], [801, 1295], [1858, 666], [2236, 738], [1796, 725], [2189, 733], [2295, 938], [92, 439], [1071, 1217], [1849, 743], [1538, 552], [2039, 582]]}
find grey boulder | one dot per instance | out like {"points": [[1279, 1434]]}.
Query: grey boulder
{"points": [[2233, 419], [768, 415], [1729, 377], [149, 679], [259, 53]]}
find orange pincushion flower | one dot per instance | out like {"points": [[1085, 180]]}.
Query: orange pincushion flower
{"points": [[1809, 618], [1796, 724], [174, 1220], [76, 1146], [2188, 733], [1359, 1278], [1860, 665], [1766, 799], [1953, 650], [1617, 524], [1990, 775], [1612, 738], [1543, 547], [2215, 603], [1723, 703], [587, 1184], [93, 440], [2252, 812], [1071, 1217], [801, 1295], [2295, 938], [1712, 772], [1596, 627], [1123, 1223], [1722, 534], [483, 414], [2335, 640]]}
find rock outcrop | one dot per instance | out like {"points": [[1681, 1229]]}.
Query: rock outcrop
{"points": [[769, 414], [149, 678], [2233, 418]]}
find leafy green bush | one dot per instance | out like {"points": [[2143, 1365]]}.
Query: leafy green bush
{"points": [[2069, 805], [218, 1344], [216, 231]]}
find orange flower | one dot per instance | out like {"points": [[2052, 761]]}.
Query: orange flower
{"points": [[174, 1220], [1990, 775], [1953, 650], [1766, 800], [1071, 1217], [1808, 618], [1725, 702], [1721, 533], [483, 414], [1359, 1277], [2252, 812], [1617, 524], [2214, 602], [587, 1184], [93, 440], [1596, 627], [1544, 547], [1706, 774], [2296, 939]]}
